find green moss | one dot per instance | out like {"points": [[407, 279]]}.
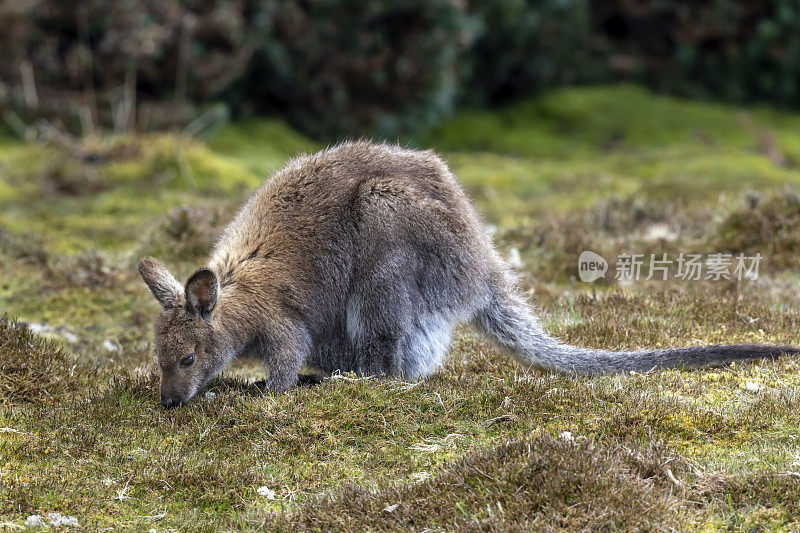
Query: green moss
{"points": [[176, 162], [566, 149], [584, 122], [260, 144], [7, 193]]}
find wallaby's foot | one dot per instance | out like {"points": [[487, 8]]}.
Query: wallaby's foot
{"points": [[309, 380], [303, 380]]}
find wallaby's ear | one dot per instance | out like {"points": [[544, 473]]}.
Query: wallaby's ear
{"points": [[161, 282], [201, 293]]}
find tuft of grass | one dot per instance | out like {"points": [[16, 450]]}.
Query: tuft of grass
{"points": [[768, 226], [536, 482], [33, 369], [186, 234]]}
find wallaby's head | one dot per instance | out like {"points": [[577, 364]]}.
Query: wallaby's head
{"points": [[189, 350]]}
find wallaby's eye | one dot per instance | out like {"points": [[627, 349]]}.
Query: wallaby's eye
{"points": [[187, 361]]}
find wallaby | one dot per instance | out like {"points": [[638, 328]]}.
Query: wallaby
{"points": [[362, 258]]}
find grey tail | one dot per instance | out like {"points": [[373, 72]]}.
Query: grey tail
{"points": [[509, 322]]}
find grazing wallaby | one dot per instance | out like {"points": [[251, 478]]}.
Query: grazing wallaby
{"points": [[361, 258]]}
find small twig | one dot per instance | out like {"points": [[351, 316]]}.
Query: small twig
{"points": [[156, 517], [499, 419], [29, 84], [64, 140], [121, 493], [206, 119], [425, 447], [208, 430], [342, 377], [748, 320], [12, 430], [18, 125], [673, 478], [405, 386], [439, 396]]}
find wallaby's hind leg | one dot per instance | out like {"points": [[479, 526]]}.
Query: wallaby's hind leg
{"points": [[377, 323], [386, 343], [389, 335], [424, 349]]}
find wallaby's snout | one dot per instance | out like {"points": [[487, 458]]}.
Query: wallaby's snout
{"points": [[173, 394], [169, 402], [170, 398]]}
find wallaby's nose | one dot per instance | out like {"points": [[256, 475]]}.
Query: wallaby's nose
{"points": [[169, 403]]}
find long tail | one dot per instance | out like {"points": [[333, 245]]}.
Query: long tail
{"points": [[510, 323]]}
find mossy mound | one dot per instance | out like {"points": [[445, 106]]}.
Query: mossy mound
{"points": [[32, 368], [769, 226], [518, 486]]}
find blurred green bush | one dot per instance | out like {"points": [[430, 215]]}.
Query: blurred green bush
{"points": [[387, 68], [518, 46], [341, 67], [738, 50]]}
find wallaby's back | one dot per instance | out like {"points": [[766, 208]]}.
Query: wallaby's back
{"points": [[354, 233]]}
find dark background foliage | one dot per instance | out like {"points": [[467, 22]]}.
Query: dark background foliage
{"points": [[390, 68]]}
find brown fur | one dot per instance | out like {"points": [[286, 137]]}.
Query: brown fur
{"points": [[358, 258], [287, 262]]}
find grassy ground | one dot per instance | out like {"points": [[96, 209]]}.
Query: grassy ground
{"points": [[482, 444]]}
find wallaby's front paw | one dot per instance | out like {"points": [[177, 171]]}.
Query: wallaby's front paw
{"points": [[308, 380]]}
